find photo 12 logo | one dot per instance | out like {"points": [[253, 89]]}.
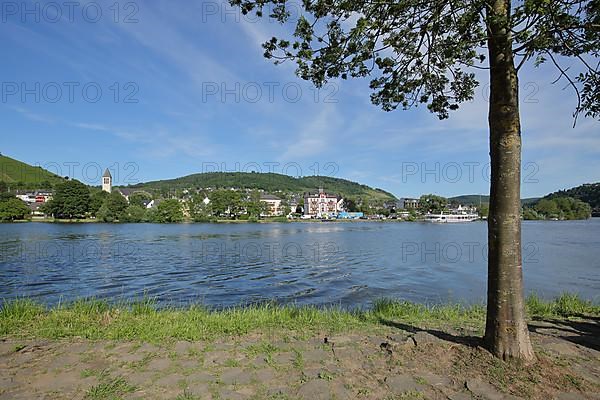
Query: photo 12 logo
{"points": [[454, 172], [69, 251], [528, 93], [458, 252], [294, 169], [223, 12], [70, 92], [238, 252], [89, 172], [53, 12], [269, 92]]}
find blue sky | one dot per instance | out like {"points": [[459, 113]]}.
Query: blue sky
{"points": [[185, 89]]}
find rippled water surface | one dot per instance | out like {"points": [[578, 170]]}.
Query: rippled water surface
{"points": [[350, 264]]}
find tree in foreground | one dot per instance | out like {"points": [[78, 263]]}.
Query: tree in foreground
{"points": [[97, 199], [133, 213], [425, 52], [169, 211], [71, 200], [12, 208]]}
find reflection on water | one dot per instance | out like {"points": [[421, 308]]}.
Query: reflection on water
{"points": [[350, 264]]}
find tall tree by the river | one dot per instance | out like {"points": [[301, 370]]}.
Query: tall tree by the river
{"points": [[424, 52]]}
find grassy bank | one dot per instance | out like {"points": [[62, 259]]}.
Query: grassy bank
{"points": [[143, 320]]}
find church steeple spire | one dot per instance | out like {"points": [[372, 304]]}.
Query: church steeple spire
{"points": [[107, 181]]}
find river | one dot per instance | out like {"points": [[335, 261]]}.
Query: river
{"points": [[346, 263]]}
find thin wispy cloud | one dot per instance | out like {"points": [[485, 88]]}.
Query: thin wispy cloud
{"points": [[173, 127]]}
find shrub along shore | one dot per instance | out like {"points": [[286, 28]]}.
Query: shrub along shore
{"points": [[145, 320]]}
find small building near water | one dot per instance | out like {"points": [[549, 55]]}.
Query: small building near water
{"points": [[350, 215]]}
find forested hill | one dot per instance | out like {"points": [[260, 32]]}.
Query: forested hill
{"points": [[588, 193], [19, 175], [269, 182]]}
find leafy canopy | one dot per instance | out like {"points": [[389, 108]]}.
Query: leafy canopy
{"points": [[11, 208], [71, 200], [169, 211], [424, 52]]}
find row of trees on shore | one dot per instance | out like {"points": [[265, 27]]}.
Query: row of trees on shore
{"points": [[562, 208], [74, 200]]}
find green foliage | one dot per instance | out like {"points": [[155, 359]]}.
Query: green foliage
{"points": [[225, 202], [558, 208], [566, 305], [187, 396], [116, 204], [11, 209], [418, 52], [268, 182], [199, 211], [19, 175], [151, 215], [71, 200], [96, 200], [350, 205], [255, 207], [483, 210], [168, 211], [285, 207], [104, 214], [109, 389], [140, 199], [588, 193], [432, 203], [531, 214], [144, 320], [548, 207], [113, 208], [133, 213]]}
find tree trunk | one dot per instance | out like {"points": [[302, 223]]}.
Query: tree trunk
{"points": [[506, 334]]}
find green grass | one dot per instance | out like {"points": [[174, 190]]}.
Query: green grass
{"points": [[143, 320], [566, 305], [187, 396], [231, 363], [109, 389], [15, 171], [298, 360]]}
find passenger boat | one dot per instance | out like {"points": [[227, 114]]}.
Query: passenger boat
{"points": [[451, 217]]}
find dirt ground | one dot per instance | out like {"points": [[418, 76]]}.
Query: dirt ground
{"points": [[401, 362]]}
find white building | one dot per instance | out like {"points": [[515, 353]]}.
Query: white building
{"points": [[322, 204], [34, 197], [273, 205], [107, 181]]}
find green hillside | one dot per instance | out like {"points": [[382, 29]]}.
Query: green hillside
{"points": [[19, 175], [268, 182], [474, 199], [588, 193]]}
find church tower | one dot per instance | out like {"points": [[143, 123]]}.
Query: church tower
{"points": [[107, 181]]}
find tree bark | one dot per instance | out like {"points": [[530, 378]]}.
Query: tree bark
{"points": [[506, 334]]}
